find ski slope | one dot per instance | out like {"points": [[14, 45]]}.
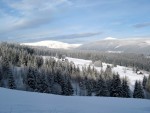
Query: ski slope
{"points": [[12, 101]]}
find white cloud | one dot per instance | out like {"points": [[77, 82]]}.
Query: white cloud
{"points": [[110, 38], [32, 13]]}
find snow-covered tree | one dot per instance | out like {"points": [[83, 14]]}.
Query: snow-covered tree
{"points": [[115, 88], [30, 79], [125, 88], [138, 90], [11, 81], [101, 88], [144, 82]]}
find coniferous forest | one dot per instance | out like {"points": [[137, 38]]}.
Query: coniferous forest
{"points": [[47, 71]]}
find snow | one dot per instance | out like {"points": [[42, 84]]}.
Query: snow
{"points": [[53, 44], [118, 46], [13, 101], [130, 74], [110, 38], [79, 62], [121, 70], [115, 51]]}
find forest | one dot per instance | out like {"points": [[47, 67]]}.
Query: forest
{"points": [[24, 68]]}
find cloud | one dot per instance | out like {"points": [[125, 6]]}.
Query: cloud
{"points": [[26, 14], [142, 25], [59, 37], [110, 38]]}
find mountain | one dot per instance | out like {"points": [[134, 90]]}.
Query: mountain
{"points": [[119, 45], [13, 101], [113, 45], [53, 44]]}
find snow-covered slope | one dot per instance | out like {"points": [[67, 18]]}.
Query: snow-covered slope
{"points": [[123, 45], [121, 70], [53, 44], [12, 101]]}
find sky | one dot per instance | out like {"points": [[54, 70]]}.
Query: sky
{"points": [[73, 21]]}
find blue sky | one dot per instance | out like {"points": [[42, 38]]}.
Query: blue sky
{"points": [[73, 21]]}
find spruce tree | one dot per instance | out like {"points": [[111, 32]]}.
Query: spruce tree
{"points": [[101, 88], [144, 82], [1, 77], [67, 88], [148, 84], [42, 84], [116, 89], [88, 87], [125, 89], [138, 90], [31, 80], [11, 81], [70, 88], [5, 66]]}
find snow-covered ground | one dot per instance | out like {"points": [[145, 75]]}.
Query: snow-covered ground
{"points": [[121, 70], [127, 72], [12, 101]]}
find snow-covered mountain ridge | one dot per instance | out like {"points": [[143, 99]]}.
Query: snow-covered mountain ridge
{"points": [[13, 101], [141, 46], [53, 44]]}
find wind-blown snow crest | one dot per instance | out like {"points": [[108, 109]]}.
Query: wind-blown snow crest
{"points": [[53, 44]]}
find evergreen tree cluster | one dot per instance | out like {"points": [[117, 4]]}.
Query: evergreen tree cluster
{"points": [[146, 83], [27, 68]]}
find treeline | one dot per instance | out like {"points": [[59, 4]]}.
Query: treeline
{"points": [[137, 61], [23, 68]]}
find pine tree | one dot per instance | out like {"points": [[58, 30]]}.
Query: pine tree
{"points": [[5, 66], [89, 87], [108, 72], [101, 88], [116, 89], [41, 83], [144, 82], [125, 89], [67, 88], [70, 88], [31, 80], [38, 61], [11, 81], [148, 84], [138, 90], [1, 77]]}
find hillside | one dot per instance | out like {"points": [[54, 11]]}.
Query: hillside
{"points": [[123, 71], [111, 45], [13, 101], [119, 45]]}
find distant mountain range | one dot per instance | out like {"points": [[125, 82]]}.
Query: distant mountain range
{"points": [[119, 45], [53, 44], [113, 45]]}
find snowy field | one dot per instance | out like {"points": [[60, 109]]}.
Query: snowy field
{"points": [[12, 101], [121, 70]]}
